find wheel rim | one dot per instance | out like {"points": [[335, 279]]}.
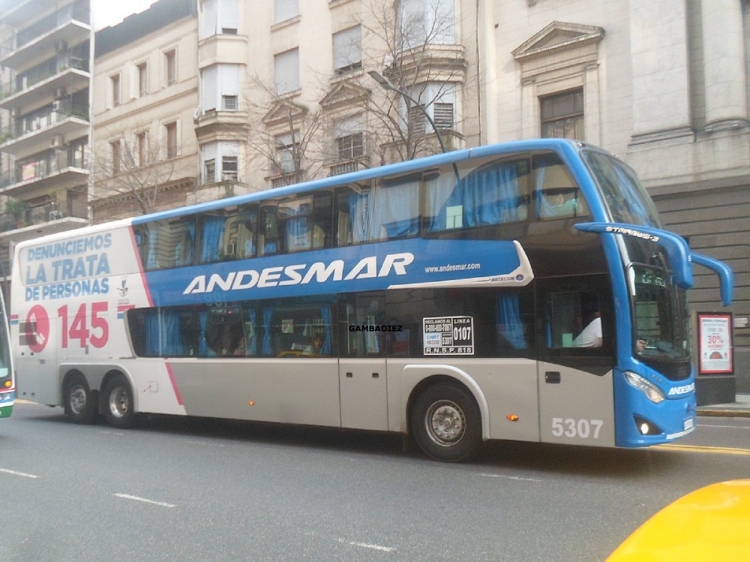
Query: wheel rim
{"points": [[445, 423], [77, 399], [119, 402]]}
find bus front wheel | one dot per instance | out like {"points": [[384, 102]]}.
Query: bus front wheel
{"points": [[446, 423], [117, 403], [79, 404]]}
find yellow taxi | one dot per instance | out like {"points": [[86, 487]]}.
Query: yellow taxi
{"points": [[712, 523]]}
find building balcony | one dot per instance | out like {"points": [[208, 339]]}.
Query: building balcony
{"points": [[38, 222], [46, 131], [45, 88], [348, 165], [42, 176], [219, 124], [54, 33]]}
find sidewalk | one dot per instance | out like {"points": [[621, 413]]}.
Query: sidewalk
{"points": [[738, 409]]}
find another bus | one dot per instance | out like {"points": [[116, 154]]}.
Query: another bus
{"points": [[7, 374], [521, 291]]}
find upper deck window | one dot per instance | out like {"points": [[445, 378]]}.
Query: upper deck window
{"points": [[624, 195], [491, 194], [556, 193]]}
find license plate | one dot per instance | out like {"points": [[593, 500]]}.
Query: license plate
{"points": [[688, 424]]}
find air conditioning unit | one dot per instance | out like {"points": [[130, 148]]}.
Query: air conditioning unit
{"points": [[60, 93], [56, 141], [55, 215], [56, 105], [61, 46]]}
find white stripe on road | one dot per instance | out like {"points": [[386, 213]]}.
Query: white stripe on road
{"points": [[144, 500], [365, 545], [511, 477], [14, 473]]}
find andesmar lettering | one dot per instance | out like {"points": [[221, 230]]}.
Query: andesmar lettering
{"points": [[301, 274]]}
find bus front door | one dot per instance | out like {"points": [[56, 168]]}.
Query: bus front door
{"points": [[576, 355]]}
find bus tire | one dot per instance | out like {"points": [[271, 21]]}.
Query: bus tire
{"points": [[117, 403], [78, 400], [446, 423]]}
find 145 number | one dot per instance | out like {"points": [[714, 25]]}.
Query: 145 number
{"points": [[95, 332]]}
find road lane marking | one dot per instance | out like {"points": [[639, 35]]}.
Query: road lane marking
{"points": [[144, 500], [703, 449], [366, 545], [510, 477], [15, 473]]}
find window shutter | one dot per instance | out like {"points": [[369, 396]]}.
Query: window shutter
{"points": [[287, 71], [285, 9], [229, 16], [210, 13], [347, 48], [210, 76]]}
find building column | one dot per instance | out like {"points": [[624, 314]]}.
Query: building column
{"points": [[591, 109], [531, 125], [724, 63], [661, 79]]}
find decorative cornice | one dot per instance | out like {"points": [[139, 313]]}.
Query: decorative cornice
{"points": [[344, 94], [283, 111]]}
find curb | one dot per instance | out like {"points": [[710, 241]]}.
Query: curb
{"points": [[724, 413]]}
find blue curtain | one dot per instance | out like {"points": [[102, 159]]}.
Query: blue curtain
{"points": [[252, 343], [361, 216], [171, 337], [213, 237], [325, 312], [183, 252], [297, 234], [151, 261], [202, 344], [508, 318], [384, 211], [152, 333], [267, 344], [486, 196]]}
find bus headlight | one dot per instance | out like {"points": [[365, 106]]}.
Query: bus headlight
{"points": [[651, 391]]}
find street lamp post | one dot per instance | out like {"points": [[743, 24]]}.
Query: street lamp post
{"points": [[388, 85]]}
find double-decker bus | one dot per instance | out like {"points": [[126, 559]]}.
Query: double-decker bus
{"points": [[521, 291], [7, 375]]}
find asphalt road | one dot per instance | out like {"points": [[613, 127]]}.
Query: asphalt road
{"points": [[192, 489]]}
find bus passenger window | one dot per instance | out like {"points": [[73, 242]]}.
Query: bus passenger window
{"points": [[387, 211], [171, 243], [491, 194], [240, 232], [556, 192], [290, 330], [269, 242], [573, 319]]}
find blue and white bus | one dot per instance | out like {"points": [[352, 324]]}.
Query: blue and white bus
{"points": [[7, 374], [521, 291]]}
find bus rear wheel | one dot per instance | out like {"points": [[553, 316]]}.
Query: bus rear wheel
{"points": [[117, 405], [79, 402], [446, 423]]}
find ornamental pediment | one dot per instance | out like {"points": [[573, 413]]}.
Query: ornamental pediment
{"points": [[284, 111], [556, 37], [344, 94]]}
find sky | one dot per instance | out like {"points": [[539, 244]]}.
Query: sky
{"points": [[112, 12]]}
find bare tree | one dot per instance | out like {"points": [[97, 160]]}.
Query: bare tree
{"points": [[412, 44], [136, 174], [283, 135]]}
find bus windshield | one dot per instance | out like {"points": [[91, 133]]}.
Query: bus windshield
{"points": [[657, 306], [624, 195]]}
